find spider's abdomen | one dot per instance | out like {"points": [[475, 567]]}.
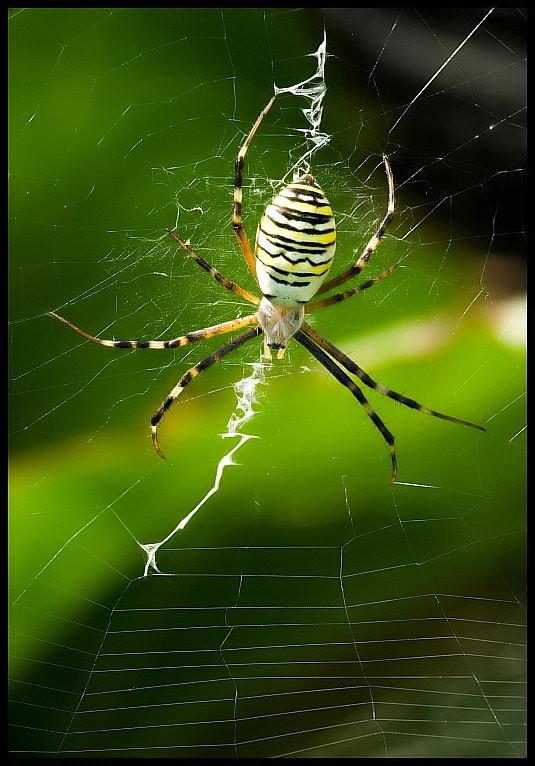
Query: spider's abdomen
{"points": [[295, 244]]}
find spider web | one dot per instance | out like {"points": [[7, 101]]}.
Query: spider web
{"points": [[268, 594]]}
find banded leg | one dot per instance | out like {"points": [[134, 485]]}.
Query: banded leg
{"points": [[211, 359], [227, 283], [354, 369], [338, 297], [237, 224], [303, 337], [352, 271], [182, 340]]}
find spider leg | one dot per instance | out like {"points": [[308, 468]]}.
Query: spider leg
{"points": [[211, 359], [227, 283], [352, 271], [182, 340], [237, 224], [354, 369], [303, 337], [348, 293]]}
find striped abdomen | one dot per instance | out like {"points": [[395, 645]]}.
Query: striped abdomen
{"points": [[295, 244]]}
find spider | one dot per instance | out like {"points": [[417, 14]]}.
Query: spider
{"points": [[294, 251]]}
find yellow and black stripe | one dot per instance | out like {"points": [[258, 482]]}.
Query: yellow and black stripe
{"points": [[295, 243]]}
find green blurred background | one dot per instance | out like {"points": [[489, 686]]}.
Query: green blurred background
{"points": [[125, 122]]}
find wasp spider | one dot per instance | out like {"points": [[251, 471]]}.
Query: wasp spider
{"points": [[294, 251]]}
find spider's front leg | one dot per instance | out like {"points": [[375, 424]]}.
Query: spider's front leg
{"points": [[204, 364], [182, 340]]}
